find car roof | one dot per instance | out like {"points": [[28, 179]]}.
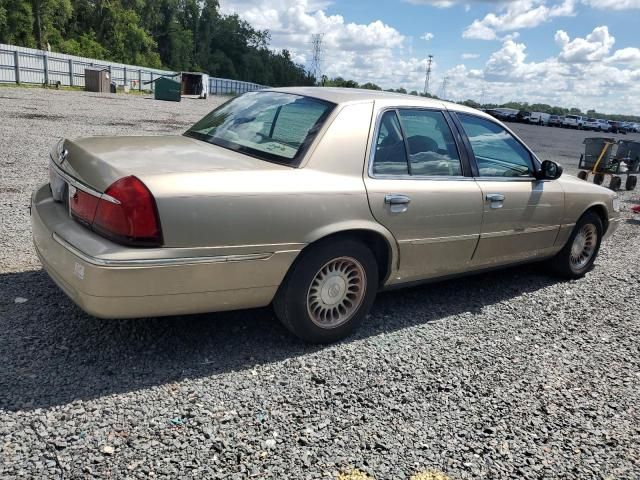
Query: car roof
{"points": [[343, 95]]}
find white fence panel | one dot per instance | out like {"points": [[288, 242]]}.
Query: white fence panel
{"points": [[28, 65]]}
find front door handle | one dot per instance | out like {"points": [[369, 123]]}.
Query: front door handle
{"points": [[396, 199], [495, 197]]}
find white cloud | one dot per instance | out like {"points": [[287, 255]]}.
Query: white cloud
{"points": [[599, 4], [516, 15], [451, 3], [373, 52], [427, 36], [583, 74], [613, 4], [593, 47], [630, 55]]}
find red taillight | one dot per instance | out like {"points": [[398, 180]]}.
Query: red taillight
{"points": [[125, 213], [83, 205], [132, 218]]}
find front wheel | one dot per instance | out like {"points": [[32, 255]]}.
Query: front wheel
{"points": [[328, 291], [578, 255]]}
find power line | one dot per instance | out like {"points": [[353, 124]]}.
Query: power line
{"points": [[316, 61], [427, 76]]}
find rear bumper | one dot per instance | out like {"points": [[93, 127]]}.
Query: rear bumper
{"points": [[136, 285]]}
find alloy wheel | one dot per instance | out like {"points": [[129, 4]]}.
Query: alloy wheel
{"points": [[336, 292], [584, 246]]}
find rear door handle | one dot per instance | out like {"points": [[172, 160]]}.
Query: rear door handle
{"points": [[397, 202], [495, 197], [396, 199]]}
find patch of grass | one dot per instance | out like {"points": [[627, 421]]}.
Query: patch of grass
{"points": [[120, 90]]}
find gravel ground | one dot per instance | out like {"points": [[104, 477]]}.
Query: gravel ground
{"points": [[511, 374]]}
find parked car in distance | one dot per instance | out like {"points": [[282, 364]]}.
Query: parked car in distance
{"points": [[629, 127], [597, 124], [539, 118], [523, 116], [504, 114], [617, 127], [574, 121], [555, 120], [310, 199]]}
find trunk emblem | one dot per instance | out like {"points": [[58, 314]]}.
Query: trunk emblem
{"points": [[63, 155]]}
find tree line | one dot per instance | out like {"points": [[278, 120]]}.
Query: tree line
{"points": [[181, 35]]}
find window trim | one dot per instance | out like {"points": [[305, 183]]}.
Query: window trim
{"points": [[535, 162], [465, 164]]}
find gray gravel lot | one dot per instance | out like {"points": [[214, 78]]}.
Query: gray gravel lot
{"points": [[512, 374]]}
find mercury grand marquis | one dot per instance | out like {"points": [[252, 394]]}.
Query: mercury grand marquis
{"points": [[309, 199]]}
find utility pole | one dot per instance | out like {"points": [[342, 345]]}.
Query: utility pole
{"points": [[316, 61], [427, 76]]}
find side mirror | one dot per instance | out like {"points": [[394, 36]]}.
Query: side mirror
{"points": [[549, 170]]}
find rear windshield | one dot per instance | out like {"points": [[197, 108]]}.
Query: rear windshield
{"points": [[572, 117], [272, 126]]}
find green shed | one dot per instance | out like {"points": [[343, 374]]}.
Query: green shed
{"points": [[168, 89]]}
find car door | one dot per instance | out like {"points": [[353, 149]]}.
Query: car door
{"points": [[420, 187], [521, 215]]}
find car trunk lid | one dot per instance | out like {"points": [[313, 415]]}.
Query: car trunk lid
{"points": [[100, 161]]}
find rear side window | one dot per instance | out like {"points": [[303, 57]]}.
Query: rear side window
{"points": [[415, 142], [432, 150], [497, 152], [391, 154]]}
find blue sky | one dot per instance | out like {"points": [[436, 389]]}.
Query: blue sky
{"points": [[583, 53]]}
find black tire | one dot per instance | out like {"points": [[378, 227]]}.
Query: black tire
{"points": [[562, 265], [615, 183], [583, 175], [631, 182], [598, 178], [290, 303]]}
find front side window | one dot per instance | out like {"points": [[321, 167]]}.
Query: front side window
{"points": [[497, 152], [273, 126], [425, 133]]}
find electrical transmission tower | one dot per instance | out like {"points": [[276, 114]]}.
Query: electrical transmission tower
{"points": [[443, 88], [427, 76], [316, 60]]}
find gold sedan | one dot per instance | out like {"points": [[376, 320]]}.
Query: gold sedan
{"points": [[312, 199]]}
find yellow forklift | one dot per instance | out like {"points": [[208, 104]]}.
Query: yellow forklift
{"points": [[605, 157]]}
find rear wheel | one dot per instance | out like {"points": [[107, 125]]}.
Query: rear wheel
{"points": [[578, 255], [583, 174], [631, 182], [598, 178], [328, 291]]}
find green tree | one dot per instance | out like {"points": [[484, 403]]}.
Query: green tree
{"points": [[370, 86], [16, 23]]}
